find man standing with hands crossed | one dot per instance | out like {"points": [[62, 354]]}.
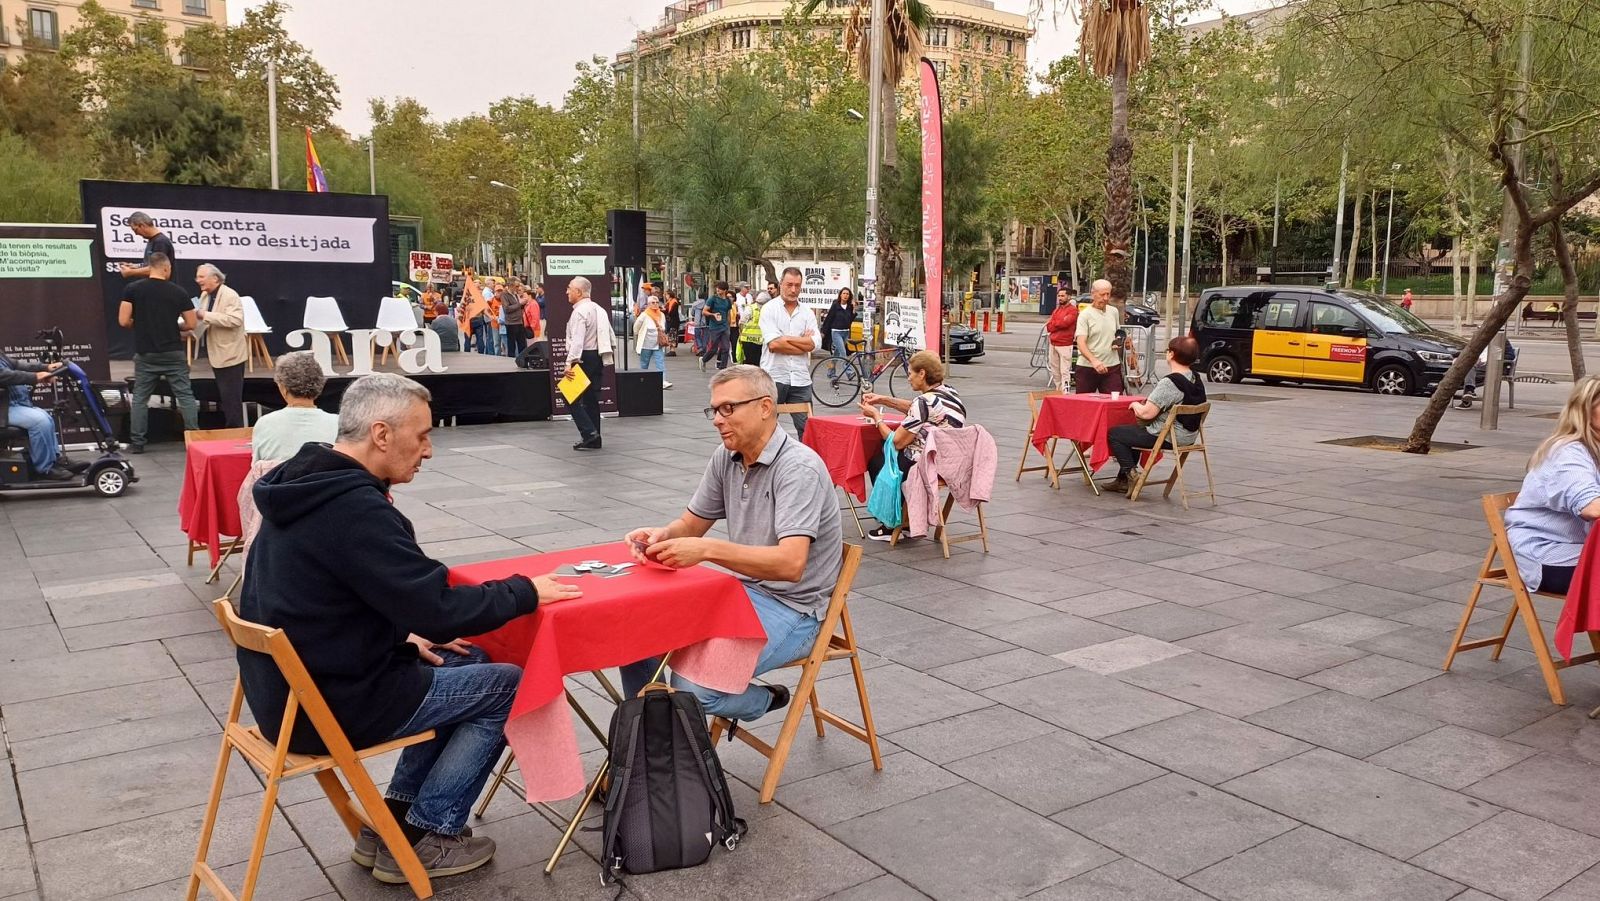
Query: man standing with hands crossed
{"points": [[790, 332]]}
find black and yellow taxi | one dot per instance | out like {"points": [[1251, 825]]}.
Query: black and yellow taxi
{"points": [[1297, 333]]}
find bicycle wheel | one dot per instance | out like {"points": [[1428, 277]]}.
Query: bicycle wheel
{"points": [[834, 382], [897, 371]]}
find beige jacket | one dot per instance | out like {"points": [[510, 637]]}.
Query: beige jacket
{"points": [[224, 328]]}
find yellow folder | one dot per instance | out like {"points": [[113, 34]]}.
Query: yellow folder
{"points": [[573, 385]]}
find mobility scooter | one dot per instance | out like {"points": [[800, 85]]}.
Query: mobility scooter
{"points": [[71, 395]]}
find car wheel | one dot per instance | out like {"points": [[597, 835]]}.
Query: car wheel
{"points": [[110, 482], [1392, 380], [1222, 370]]}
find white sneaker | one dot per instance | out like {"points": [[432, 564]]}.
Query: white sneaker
{"points": [[666, 384]]}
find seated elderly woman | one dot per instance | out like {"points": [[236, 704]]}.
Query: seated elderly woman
{"points": [[1180, 387], [936, 405], [1560, 495], [280, 434]]}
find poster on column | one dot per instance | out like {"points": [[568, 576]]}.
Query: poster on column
{"points": [[563, 263], [820, 282], [49, 279], [278, 247]]}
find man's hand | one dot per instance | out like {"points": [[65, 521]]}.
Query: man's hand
{"points": [[1100, 367], [57, 366], [44, 376], [640, 539], [567, 373], [426, 648], [679, 553], [552, 590]]}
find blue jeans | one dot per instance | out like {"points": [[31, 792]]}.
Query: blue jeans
{"points": [[654, 356], [841, 338], [790, 635], [41, 435], [467, 707]]}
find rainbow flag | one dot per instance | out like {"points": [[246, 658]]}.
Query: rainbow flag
{"points": [[316, 180]]}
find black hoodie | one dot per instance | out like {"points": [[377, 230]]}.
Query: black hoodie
{"points": [[338, 568]]}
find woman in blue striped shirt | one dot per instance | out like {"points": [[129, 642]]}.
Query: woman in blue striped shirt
{"points": [[1560, 495]]}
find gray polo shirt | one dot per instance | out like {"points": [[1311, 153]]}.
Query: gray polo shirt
{"points": [[787, 492]]}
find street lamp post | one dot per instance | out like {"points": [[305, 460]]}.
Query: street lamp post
{"points": [[869, 257], [1388, 231]]}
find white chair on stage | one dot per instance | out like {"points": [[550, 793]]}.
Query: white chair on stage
{"points": [[254, 327], [322, 315], [394, 315]]}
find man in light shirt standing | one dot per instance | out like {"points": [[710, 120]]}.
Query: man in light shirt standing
{"points": [[1100, 341], [790, 332], [588, 337]]}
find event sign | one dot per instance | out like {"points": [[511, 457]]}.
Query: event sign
{"points": [[444, 269], [563, 263], [931, 114], [421, 265], [218, 235], [47, 281], [902, 315], [820, 282], [279, 247], [438, 268]]}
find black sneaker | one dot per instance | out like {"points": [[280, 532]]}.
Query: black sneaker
{"points": [[59, 473], [881, 533], [135, 448], [780, 697]]}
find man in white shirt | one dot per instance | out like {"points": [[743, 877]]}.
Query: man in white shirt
{"points": [[790, 332], [588, 337]]}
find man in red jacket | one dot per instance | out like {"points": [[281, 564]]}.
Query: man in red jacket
{"points": [[1062, 327]]}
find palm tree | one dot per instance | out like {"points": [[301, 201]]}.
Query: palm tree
{"points": [[1116, 42], [904, 21]]}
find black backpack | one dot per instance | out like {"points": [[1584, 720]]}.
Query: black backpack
{"points": [[668, 804], [1194, 394]]}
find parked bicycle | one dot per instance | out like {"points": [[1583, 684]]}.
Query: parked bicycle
{"points": [[838, 381]]}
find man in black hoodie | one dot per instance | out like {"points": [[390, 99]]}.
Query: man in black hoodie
{"points": [[338, 568]]}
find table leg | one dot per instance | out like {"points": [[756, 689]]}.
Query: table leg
{"points": [[605, 767], [1081, 466]]}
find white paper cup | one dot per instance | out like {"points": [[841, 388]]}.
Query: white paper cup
{"points": [[1116, 395]]}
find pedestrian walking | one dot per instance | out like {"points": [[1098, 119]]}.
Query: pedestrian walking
{"points": [[650, 338], [840, 316], [1406, 300], [674, 314], [588, 338]]}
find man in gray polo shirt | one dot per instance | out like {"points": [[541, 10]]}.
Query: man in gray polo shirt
{"points": [[785, 539]]}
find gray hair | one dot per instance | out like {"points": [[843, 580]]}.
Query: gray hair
{"points": [[299, 375], [583, 284], [380, 397], [754, 376], [1100, 283], [140, 218], [203, 268]]}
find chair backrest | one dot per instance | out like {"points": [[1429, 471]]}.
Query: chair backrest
{"points": [[793, 408], [1035, 400], [303, 691], [395, 315], [323, 315], [848, 565], [254, 322], [1171, 419], [194, 435]]}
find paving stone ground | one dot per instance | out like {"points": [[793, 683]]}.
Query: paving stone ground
{"points": [[1118, 701]]}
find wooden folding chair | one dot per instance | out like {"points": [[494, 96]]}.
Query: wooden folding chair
{"points": [[276, 763], [1503, 574], [190, 437], [1035, 400], [830, 645], [1179, 455], [941, 532]]}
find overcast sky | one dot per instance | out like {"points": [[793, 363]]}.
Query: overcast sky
{"points": [[458, 58]]}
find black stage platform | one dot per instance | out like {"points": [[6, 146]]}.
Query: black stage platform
{"points": [[474, 388]]}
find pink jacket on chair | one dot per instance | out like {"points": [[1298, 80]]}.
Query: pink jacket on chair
{"points": [[965, 458]]}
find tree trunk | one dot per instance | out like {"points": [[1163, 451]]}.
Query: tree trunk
{"points": [[1222, 236], [1372, 219], [1472, 282], [891, 126], [1421, 438], [1569, 305], [1355, 242], [1119, 189], [1455, 284], [1070, 232], [1170, 314]]}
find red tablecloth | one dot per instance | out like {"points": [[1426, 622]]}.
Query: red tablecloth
{"points": [[208, 507], [845, 444], [701, 615], [1581, 613], [1084, 418]]}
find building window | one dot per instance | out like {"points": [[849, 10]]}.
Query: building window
{"points": [[988, 43], [42, 27], [741, 39], [197, 7], [146, 4], [966, 72], [966, 38], [838, 37], [963, 103], [1008, 47], [938, 36], [940, 66]]}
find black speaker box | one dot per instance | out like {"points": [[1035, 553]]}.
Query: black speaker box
{"points": [[625, 234], [638, 392]]}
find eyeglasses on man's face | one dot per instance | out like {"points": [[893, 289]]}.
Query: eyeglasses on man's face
{"points": [[726, 410]]}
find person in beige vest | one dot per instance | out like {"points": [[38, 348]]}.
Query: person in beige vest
{"points": [[222, 317]]}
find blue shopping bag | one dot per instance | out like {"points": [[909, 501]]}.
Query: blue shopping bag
{"points": [[884, 501]]}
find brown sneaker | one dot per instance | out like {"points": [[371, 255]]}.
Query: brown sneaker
{"points": [[1118, 485], [442, 855]]}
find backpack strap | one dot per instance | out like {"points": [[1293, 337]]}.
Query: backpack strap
{"points": [[621, 757], [733, 828]]}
